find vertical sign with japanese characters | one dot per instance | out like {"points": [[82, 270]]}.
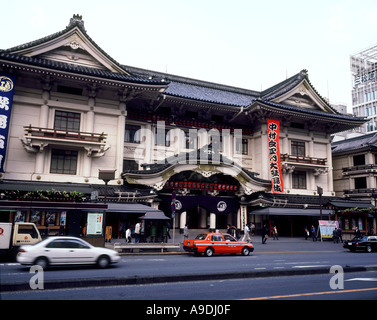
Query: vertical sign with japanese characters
{"points": [[6, 99], [274, 155]]}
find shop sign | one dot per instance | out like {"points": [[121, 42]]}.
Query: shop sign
{"points": [[6, 101], [327, 227], [94, 227], [274, 155]]}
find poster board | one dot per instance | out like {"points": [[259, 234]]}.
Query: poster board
{"points": [[94, 227], [327, 227]]}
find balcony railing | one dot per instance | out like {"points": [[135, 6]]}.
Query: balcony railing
{"points": [[303, 160], [37, 139], [366, 168], [369, 192], [65, 134]]}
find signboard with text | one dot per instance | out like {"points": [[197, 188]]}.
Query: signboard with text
{"points": [[94, 227], [273, 129], [327, 227], [6, 100]]}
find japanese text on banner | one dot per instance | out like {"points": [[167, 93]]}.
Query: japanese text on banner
{"points": [[6, 100], [274, 155]]}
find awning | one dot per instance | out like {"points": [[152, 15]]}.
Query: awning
{"points": [[154, 215], [129, 208], [351, 204], [292, 212]]}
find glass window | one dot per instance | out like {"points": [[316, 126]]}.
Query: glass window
{"points": [[217, 237], [191, 139], [242, 146], [228, 237], [299, 180], [63, 161], [130, 165], [162, 137], [68, 121], [298, 148], [132, 133]]}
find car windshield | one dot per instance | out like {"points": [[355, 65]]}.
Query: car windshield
{"points": [[365, 238], [201, 236]]}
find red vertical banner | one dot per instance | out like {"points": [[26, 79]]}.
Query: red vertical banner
{"points": [[273, 127]]}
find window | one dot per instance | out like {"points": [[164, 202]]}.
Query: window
{"points": [[162, 137], [130, 165], [217, 237], [361, 183], [242, 146], [68, 121], [298, 148], [228, 237], [359, 160], [63, 161], [191, 139], [299, 180], [132, 133]]}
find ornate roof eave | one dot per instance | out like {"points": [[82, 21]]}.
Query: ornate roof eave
{"points": [[286, 88], [27, 65], [196, 161], [334, 122], [202, 103], [74, 32]]}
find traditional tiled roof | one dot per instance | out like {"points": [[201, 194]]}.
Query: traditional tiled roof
{"points": [[355, 144], [78, 69], [311, 112]]}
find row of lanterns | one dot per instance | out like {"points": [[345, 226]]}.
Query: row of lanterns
{"points": [[193, 185], [184, 122]]}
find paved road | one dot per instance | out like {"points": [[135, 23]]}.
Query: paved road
{"points": [[287, 256], [357, 286]]}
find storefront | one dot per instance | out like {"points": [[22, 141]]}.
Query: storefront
{"points": [[354, 214], [49, 216]]}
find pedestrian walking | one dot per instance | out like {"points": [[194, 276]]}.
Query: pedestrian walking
{"points": [[306, 233], [137, 232], [275, 233], [357, 233], [314, 234], [185, 232], [335, 237], [246, 235], [252, 229], [264, 234], [340, 238], [128, 235]]}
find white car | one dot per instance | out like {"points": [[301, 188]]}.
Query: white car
{"points": [[65, 251]]}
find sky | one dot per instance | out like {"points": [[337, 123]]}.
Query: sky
{"points": [[243, 43]]}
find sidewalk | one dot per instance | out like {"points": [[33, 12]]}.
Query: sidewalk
{"points": [[284, 244]]}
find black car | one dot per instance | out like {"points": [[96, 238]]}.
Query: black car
{"points": [[367, 243]]}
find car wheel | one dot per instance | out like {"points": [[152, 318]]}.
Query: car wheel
{"points": [[42, 262], [103, 262], [209, 252], [369, 249], [245, 251]]}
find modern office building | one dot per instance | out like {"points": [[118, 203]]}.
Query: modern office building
{"points": [[364, 87]]}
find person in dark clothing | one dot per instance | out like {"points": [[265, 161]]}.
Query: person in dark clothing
{"points": [[264, 234]]}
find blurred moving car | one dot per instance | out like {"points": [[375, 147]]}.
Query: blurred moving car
{"points": [[366, 243], [66, 251], [211, 243]]}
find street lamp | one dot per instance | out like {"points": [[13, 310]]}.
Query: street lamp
{"points": [[106, 176], [320, 193]]}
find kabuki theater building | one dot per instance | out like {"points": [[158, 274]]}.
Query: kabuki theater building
{"points": [[213, 154]]}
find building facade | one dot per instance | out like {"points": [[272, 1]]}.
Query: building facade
{"points": [[364, 87], [355, 168], [212, 154]]}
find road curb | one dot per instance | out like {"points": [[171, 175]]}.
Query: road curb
{"points": [[138, 280]]}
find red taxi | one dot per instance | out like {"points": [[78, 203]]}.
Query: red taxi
{"points": [[211, 243]]}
